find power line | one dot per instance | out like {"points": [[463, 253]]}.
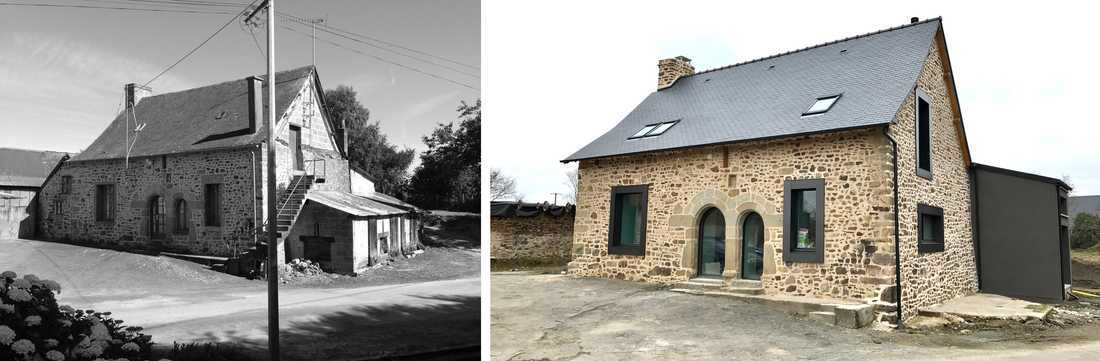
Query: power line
{"points": [[384, 59], [385, 42], [114, 8], [231, 20]]}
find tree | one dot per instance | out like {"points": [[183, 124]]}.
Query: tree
{"points": [[501, 186], [449, 175], [572, 180], [1086, 230], [368, 148]]}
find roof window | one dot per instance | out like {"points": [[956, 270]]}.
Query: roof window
{"points": [[822, 105], [654, 130]]}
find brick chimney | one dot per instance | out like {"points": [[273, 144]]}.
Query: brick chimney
{"points": [[134, 93], [672, 69], [255, 102]]}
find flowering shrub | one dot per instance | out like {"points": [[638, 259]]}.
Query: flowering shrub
{"points": [[34, 327]]}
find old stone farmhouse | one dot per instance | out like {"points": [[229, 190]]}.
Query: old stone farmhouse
{"points": [[838, 171], [22, 172], [185, 172]]}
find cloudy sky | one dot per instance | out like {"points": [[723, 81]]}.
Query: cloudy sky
{"points": [[62, 69], [559, 74]]}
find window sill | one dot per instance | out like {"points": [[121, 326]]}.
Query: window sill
{"points": [[626, 251], [924, 173], [929, 247]]}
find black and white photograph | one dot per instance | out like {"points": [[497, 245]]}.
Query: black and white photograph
{"points": [[240, 180]]}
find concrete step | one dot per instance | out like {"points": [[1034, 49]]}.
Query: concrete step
{"points": [[742, 283], [285, 222], [702, 284], [744, 290], [884, 306], [282, 228]]}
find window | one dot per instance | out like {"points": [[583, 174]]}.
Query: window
{"points": [[628, 220], [924, 135], [105, 202], [66, 184], [59, 206], [181, 217], [822, 105], [156, 217], [930, 228], [213, 205], [804, 220], [654, 130]]}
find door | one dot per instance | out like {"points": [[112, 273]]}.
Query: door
{"points": [[296, 147], [712, 244], [752, 247], [156, 217]]}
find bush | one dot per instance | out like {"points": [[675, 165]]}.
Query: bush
{"points": [[1086, 231], [209, 352], [34, 327]]}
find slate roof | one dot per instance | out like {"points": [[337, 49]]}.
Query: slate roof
{"points": [[26, 168], [181, 121], [353, 204], [518, 209], [765, 98]]}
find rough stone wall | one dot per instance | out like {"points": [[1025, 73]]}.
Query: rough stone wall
{"points": [[17, 214], [685, 183], [183, 178], [321, 221], [317, 144], [542, 237], [931, 278]]}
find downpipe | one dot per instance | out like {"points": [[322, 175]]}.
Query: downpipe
{"points": [[897, 236]]}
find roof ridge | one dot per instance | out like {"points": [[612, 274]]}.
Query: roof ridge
{"points": [[312, 69], [817, 46], [33, 150]]}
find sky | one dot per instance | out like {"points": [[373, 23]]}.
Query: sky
{"points": [[62, 70], [560, 74]]}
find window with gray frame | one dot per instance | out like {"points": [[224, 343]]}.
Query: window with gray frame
{"points": [[628, 220], [804, 220], [105, 202], [924, 135], [929, 228], [212, 209]]}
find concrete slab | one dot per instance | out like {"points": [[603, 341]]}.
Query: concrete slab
{"points": [[989, 306], [854, 316]]}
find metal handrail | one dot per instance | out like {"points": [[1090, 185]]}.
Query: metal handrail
{"points": [[291, 188]]}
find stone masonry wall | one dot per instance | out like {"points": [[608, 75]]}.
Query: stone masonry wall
{"points": [[183, 178], [685, 183], [931, 278], [542, 237]]}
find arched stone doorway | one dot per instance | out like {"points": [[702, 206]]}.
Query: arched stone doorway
{"points": [[712, 244], [752, 246], [156, 217]]}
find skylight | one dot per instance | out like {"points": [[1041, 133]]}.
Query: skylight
{"points": [[822, 105], [654, 130]]}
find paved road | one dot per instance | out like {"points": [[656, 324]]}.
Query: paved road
{"points": [[536, 317]]}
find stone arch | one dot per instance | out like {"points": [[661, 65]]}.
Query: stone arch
{"points": [[734, 210]]}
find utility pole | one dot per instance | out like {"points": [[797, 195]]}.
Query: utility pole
{"points": [[555, 198], [272, 212], [313, 25]]}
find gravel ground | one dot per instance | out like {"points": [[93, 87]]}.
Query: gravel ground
{"points": [[553, 317]]}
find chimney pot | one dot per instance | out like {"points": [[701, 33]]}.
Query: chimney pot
{"points": [[914, 20], [255, 102], [672, 69]]}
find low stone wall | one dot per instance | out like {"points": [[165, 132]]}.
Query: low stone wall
{"points": [[539, 238]]}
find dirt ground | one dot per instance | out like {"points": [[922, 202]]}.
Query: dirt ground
{"points": [[552, 317], [1086, 268]]}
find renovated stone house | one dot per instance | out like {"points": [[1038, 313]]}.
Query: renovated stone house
{"points": [[838, 171], [185, 172]]}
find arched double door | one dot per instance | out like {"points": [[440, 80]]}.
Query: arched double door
{"points": [[712, 245]]}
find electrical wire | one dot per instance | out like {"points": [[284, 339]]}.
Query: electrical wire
{"points": [[114, 8], [384, 60], [231, 20]]}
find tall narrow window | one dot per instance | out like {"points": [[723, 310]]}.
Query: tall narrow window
{"points": [[156, 217], [105, 202], [929, 228], [66, 184], [628, 220], [924, 135], [804, 220], [181, 217], [212, 209]]}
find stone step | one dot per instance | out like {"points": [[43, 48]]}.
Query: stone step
{"points": [[827, 318], [283, 228], [285, 222], [884, 306], [744, 290], [702, 284], [743, 283]]}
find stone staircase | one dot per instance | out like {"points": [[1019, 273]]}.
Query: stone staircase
{"points": [[828, 311], [717, 286]]}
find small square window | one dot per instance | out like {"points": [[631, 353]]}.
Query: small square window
{"points": [[644, 131], [66, 184], [822, 105], [662, 128], [929, 228]]}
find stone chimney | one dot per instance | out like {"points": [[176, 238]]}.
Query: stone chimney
{"points": [[670, 70], [134, 93], [255, 102]]}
